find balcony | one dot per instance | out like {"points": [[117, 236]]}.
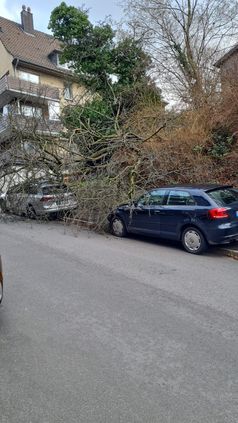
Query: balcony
{"points": [[11, 88], [28, 126]]}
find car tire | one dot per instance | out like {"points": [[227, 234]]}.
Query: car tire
{"points": [[52, 216], [118, 227], [194, 241], [30, 211]]}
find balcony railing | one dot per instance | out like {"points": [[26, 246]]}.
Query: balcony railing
{"points": [[28, 126], [11, 87]]}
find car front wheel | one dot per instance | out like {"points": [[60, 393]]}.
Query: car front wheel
{"points": [[118, 227], [193, 241]]}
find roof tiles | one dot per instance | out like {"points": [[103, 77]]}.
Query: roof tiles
{"points": [[32, 48]]}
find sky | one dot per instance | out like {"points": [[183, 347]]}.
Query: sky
{"points": [[41, 10]]}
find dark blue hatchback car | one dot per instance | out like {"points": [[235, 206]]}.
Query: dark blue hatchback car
{"points": [[196, 215]]}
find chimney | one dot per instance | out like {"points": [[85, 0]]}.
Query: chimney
{"points": [[27, 20]]}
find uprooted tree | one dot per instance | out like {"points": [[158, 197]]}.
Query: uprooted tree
{"points": [[106, 167]]}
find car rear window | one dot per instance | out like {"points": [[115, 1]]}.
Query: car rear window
{"points": [[224, 196], [54, 189]]}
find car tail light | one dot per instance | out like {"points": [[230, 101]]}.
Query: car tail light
{"points": [[47, 198], [219, 213]]}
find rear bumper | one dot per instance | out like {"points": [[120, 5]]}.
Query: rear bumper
{"points": [[223, 234], [56, 209]]}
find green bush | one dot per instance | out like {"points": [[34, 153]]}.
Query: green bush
{"points": [[222, 142]]}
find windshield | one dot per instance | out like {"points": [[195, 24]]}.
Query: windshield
{"points": [[224, 196]]}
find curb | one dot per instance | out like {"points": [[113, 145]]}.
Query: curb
{"points": [[229, 253]]}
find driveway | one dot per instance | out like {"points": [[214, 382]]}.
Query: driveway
{"points": [[95, 329]]}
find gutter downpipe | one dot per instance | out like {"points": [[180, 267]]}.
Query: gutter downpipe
{"points": [[15, 64]]}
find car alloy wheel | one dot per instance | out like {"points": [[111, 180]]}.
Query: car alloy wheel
{"points": [[118, 227], [193, 241]]}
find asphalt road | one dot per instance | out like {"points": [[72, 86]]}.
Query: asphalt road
{"points": [[95, 329]]}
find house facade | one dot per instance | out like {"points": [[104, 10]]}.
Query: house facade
{"points": [[228, 65], [34, 85]]}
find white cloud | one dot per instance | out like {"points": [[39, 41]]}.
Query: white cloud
{"points": [[9, 12]]}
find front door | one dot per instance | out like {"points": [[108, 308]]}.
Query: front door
{"points": [[145, 216]]}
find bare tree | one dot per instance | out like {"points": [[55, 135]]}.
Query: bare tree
{"points": [[185, 37]]}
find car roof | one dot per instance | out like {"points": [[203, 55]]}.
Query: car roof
{"points": [[203, 187]]}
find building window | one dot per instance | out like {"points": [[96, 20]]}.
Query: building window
{"points": [[68, 95], [9, 109], [5, 110], [54, 110], [29, 77], [66, 65], [31, 111]]}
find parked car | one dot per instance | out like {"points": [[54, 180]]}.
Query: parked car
{"points": [[39, 199], [1, 281], [196, 215]]}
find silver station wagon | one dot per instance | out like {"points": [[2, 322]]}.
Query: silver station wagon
{"points": [[39, 199]]}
